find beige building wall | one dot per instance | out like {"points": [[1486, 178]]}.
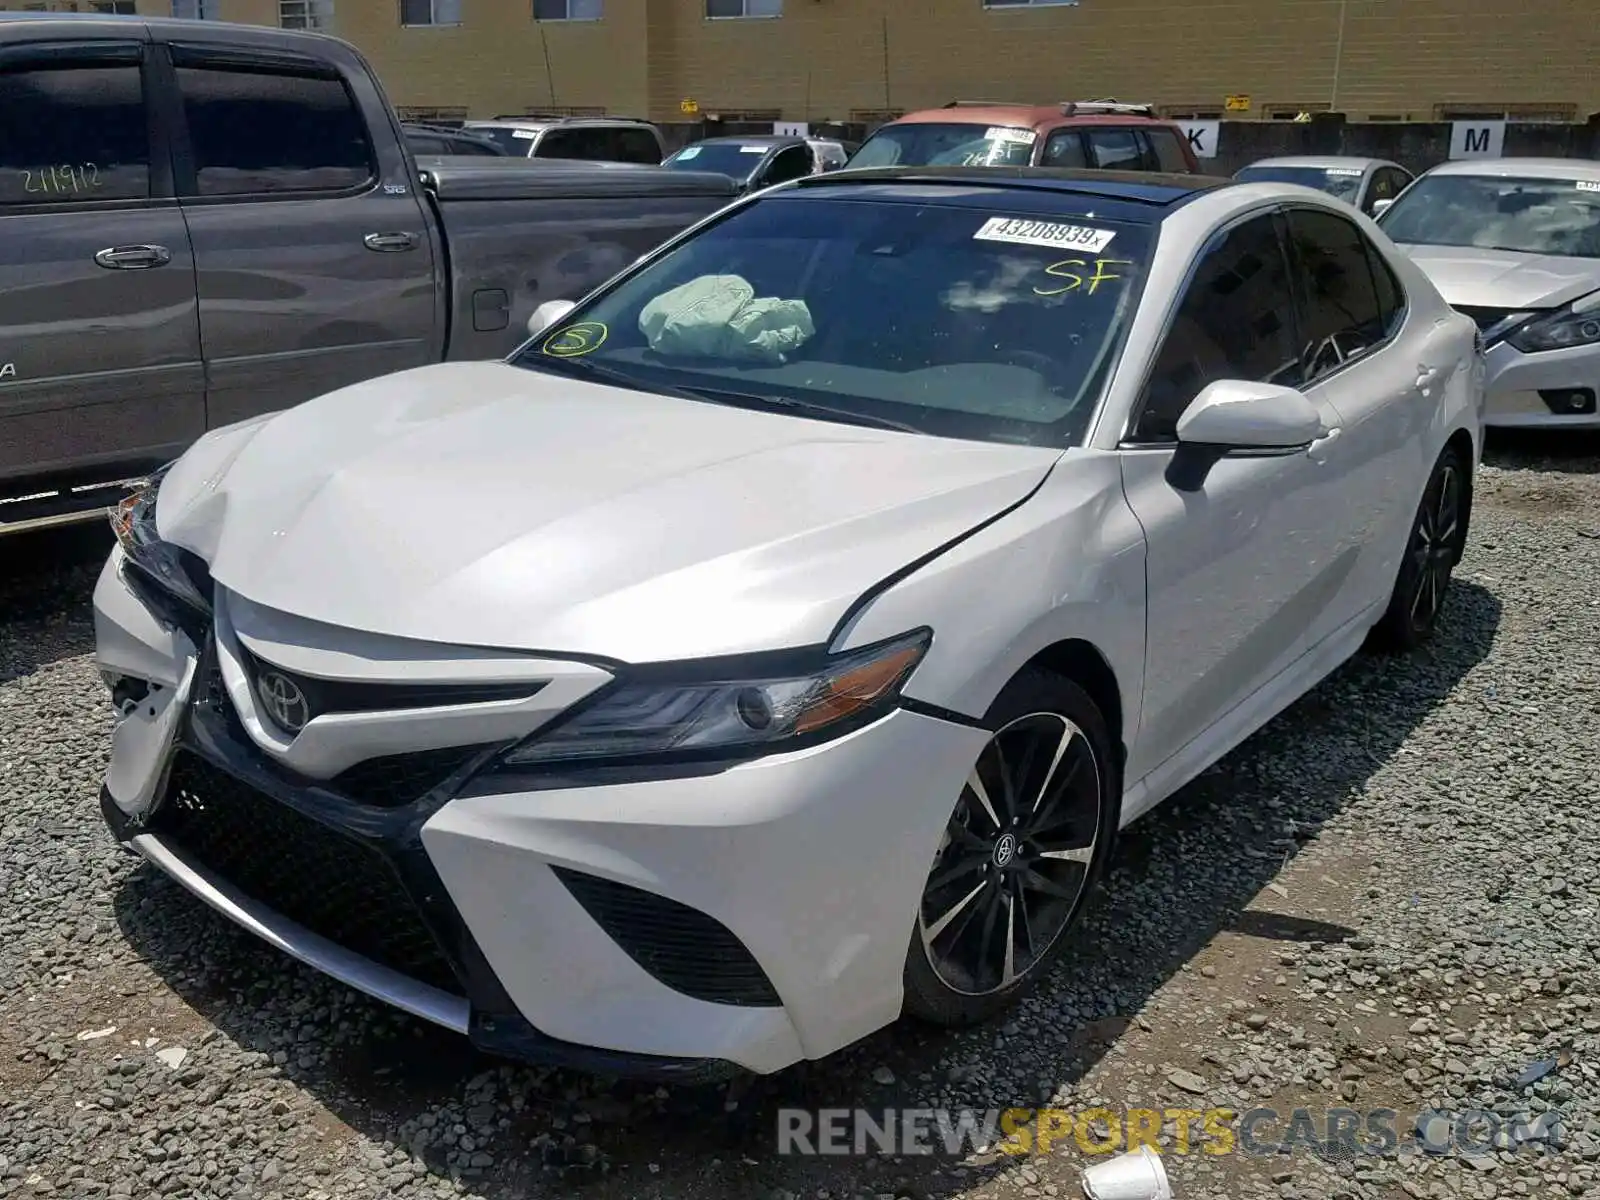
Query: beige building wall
{"points": [[825, 58], [832, 59], [499, 60]]}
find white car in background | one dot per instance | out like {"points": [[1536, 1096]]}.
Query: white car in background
{"points": [[1515, 244], [1370, 184], [777, 642]]}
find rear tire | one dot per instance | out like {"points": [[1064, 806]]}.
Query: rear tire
{"points": [[1438, 537], [1026, 844]]}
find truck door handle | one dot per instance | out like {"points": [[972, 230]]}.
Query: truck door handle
{"points": [[390, 242], [133, 258]]}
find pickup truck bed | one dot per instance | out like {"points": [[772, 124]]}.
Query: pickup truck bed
{"points": [[206, 221]]}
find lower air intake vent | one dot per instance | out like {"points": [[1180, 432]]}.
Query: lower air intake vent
{"points": [[678, 945], [318, 877]]}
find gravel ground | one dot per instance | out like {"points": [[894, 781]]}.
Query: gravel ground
{"points": [[1386, 900]]}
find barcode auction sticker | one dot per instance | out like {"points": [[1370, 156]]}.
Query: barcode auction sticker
{"points": [[1344, 171], [1044, 233], [526, 135], [1005, 133], [1588, 185]]}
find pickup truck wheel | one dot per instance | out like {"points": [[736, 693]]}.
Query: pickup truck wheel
{"points": [[1025, 844]]}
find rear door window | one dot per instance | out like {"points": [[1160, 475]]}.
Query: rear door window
{"points": [[1064, 148], [263, 130], [1169, 154], [74, 129], [1117, 149], [789, 163]]}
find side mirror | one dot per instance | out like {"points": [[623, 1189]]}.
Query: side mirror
{"points": [[1233, 414], [1379, 207], [547, 314]]}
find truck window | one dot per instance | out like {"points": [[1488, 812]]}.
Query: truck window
{"points": [[1064, 149], [637, 146], [73, 132], [1169, 154], [258, 131], [593, 143], [1116, 149]]}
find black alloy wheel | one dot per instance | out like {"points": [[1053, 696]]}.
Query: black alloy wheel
{"points": [[1438, 536], [1027, 840]]}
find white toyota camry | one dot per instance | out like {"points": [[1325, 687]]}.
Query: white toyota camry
{"points": [[777, 642]]}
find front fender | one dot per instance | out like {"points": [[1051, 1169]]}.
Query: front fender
{"points": [[1069, 563]]}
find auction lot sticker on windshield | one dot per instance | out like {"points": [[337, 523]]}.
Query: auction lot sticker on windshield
{"points": [[752, 149], [1588, 185], [1344, 171], [526, 135], [1003, 133], [1044, 233]]}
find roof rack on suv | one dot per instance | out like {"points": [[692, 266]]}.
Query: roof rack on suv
{"points": [[565, 119], [1075, 108]]}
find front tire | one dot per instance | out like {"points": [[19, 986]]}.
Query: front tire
{"points": [[1438, 536], [1028, 840]]}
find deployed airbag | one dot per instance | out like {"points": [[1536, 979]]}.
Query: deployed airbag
{"points": [[720, 316]]}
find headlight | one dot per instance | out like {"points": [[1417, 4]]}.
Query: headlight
{"points": [[1578, 324], [730, 716], [173, 569]]}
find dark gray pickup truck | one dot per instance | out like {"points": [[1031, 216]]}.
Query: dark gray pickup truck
{"points": [[203, 221]]}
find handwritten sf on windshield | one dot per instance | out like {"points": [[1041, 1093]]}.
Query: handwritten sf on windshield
{"points": [[1079, 276]]}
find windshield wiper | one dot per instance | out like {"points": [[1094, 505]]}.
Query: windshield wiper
{"points": [[846, 415], [581, 366]]}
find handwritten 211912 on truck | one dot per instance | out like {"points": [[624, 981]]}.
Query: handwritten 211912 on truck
{"points": [[204, 222]]}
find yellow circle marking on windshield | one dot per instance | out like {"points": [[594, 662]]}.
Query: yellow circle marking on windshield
{"points": [[576, 340]]}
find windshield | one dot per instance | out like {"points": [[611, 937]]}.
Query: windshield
{"points": [[959, 322], [512, 141], [736, 159], [1343, 182], [952, 145], [1531, 216]]}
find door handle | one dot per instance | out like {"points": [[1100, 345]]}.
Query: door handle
{"points": [[133, 258], [391, 243], [1317, 451]]}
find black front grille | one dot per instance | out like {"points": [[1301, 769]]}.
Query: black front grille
{"points": [[398, 779], [682, 947], [322, 879]]}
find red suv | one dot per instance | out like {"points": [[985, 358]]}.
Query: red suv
{"points": [[1102, 134]]}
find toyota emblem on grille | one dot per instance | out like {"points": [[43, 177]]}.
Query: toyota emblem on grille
{"points": [[283, 701]]}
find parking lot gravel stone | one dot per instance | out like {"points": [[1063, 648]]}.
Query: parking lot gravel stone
{"points": [[1386, 900]]}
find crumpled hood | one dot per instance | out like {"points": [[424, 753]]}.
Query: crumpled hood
{"points": [[1505, 279], [484, 504]]}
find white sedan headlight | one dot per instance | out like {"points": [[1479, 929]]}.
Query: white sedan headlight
{"points": [[1578, 324], [732, 716], [171, 568]]}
